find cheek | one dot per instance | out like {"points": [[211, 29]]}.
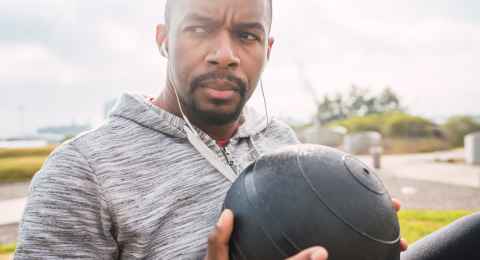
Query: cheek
{"points": [[253, 68], [185, 61]]}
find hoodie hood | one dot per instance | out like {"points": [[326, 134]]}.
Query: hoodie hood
{"points": [[138, 109]]}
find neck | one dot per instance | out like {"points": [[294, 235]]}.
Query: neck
{"points": [[168, 101]]}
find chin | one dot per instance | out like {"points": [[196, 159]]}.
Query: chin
{"points": [[218, 116]]}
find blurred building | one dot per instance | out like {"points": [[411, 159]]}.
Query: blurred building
{"points": [[318, 134], [23, 142], [56, 134], [362, 142]]}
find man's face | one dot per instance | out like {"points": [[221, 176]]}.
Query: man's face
{"points": [[217, 51]]}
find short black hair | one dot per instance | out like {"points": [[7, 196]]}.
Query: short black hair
{"points": [[168, 7]]}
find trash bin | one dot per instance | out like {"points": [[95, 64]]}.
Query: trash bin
{"points": [[472, 148], [376, 153]]}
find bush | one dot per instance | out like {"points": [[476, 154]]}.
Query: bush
{"points": [[414, 145], [394, 124], [404, 125], [458, 127], [361, 124]]}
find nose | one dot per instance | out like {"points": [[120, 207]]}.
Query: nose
{"points": [[223, 53]]}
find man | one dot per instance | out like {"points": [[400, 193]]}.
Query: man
{"points": [[136, 188]]}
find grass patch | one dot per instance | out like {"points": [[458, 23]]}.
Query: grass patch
{"points": [[20, 168], [20, 164], [7, 249], [25, 152], [416, 224]]}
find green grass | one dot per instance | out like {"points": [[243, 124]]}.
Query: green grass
{"points": [[19, 168], [414, 224], [7, 249], [25, 152], [20, 164]]}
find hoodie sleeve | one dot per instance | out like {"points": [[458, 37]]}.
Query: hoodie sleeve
{"points": [[66, 216]]}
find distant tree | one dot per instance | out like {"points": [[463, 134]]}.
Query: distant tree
{"points": [[357, 102], [457, 127], [388, 101], [326, 112]]}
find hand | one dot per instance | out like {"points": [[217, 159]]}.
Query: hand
{"points": [[403, 242], [313, 253], [220, 236]]}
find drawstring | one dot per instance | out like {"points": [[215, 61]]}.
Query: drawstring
{"points": [[254, 147]]}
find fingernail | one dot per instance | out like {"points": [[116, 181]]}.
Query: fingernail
{"points": [[320, 254], [221, 220]]}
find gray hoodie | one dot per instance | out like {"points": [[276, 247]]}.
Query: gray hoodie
{"points": [[135, 188]]}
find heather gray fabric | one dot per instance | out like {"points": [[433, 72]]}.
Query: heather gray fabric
{"points": [[134, 188]]}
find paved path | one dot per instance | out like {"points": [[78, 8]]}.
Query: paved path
{"points": [[424, 167], [8, 234], [420, 181], [420, 194], [11, 211], [13, 190]]}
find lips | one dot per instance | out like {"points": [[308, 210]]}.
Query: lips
{"points": [[220, 94], [219, 86], [219, 89]]}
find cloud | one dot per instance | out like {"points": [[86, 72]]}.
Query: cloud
{"points": [[64, 59]]}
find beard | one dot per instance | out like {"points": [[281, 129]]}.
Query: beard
{"points": [[215, 117]]}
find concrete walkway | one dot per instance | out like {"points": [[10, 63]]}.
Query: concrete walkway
{"points": [[12, 202], [425, 167], [13, 190], [11, 211]]}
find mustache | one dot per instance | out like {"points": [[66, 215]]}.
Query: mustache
{"points": [[239, 84]]}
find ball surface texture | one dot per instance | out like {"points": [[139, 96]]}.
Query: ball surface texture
{"points": [[306, 195]]}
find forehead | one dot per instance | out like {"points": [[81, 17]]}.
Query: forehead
{"points": [[234, 10]]}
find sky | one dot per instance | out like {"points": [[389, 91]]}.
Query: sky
{"points": [[61, 61]]}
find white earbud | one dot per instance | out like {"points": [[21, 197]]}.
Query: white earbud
{"points": [[163, 50]]}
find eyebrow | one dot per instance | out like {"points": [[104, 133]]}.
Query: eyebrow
{"points": [[198, 17], [244, 25], [252, 25]]}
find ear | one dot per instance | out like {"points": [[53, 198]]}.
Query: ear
{"points": [[161, 36], [271, 41]]}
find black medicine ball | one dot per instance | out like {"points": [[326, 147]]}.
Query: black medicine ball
{"points": [[307, 195]]}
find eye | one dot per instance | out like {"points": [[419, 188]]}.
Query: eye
{"points": [[247, 36], [197, 29]]}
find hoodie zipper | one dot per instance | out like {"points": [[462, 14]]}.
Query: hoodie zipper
{"points": [[228, 158]]}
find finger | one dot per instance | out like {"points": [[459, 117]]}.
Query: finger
{"points": [[396, 204], [403, 245], [220, 236], [313, 253]]}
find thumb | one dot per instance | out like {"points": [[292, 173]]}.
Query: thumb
{"points": [[313, 253], [219, 238]]}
